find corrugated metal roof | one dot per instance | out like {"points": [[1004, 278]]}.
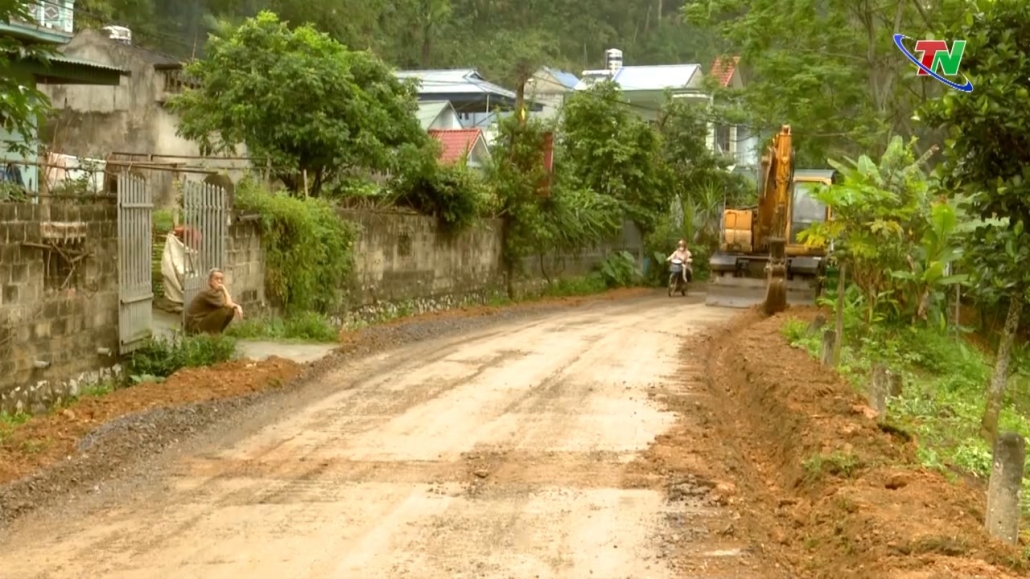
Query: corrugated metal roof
{"points": [[429, 111], [60, 58], [456, 81], [652, 78], [567, 79]]}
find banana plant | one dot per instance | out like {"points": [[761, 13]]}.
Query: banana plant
{"points": [[931, 262]]}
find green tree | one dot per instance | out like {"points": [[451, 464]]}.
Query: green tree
{"points": [[570, 219], [315, 109], [697, 177], [896, 242], [986, 153], [611, 151], [829, 68]]}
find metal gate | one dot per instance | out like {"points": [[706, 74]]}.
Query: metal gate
{"points": [[205, 228], [135, 239]]}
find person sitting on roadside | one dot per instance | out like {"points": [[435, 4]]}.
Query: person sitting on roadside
{"points": [[212, 310], [682, 255]]}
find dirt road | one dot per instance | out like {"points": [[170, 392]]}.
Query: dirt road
{"points": [[499, 453]]}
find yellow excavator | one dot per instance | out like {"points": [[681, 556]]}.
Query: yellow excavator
{"points": [[760, 259]]}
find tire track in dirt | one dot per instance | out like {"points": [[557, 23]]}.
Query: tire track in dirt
{"points": [[489, 456]]}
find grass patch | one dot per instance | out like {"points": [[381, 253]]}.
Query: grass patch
{"points": [[575, 286], [9, 421], [301, 327], [943, 398], [160, 358], [839, 464]]}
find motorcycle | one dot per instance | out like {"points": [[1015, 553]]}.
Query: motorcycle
{"points": [[679, 277]]}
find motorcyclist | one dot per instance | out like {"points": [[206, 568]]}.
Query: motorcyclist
{"points": [[682, 255]]}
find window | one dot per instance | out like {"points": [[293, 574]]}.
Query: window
{"points": [[806, 209]]}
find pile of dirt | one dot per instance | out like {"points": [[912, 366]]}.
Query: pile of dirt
{"points": [[49, 438], [821, 487]]}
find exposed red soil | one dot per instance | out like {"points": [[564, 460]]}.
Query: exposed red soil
{"points": [[48, 438], [822, 490]]}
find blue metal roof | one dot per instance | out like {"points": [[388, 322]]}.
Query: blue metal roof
{"points": [[567, 79]]}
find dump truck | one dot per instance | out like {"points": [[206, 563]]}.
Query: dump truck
{"points": [[760, 259]]}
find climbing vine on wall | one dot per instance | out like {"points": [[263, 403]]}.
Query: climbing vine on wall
{"points": [[308, 247]]}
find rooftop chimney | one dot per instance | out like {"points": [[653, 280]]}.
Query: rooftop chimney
{"points": [[613, 60], [118, 34]]}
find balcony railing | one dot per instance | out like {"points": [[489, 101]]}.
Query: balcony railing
{"points": [[175, 82]]}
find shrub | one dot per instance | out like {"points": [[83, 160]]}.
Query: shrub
{"points": [[619, 269], [161, 358], [454, 194], [308, 249], [302, 326]]}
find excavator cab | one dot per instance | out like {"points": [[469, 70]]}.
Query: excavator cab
{"points": [[760, 259], [805, 209]]}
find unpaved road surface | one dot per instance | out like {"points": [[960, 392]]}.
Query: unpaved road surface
{"points": [[501, 453]]}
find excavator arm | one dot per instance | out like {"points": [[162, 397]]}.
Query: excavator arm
{"points": [[774, 217]]}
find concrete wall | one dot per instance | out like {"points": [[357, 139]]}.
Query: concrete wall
{"points": [[245, 266], [53, 339], [403, 262], [94, 121], [546, 90], [403, 257]]}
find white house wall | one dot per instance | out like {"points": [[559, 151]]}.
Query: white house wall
{"points": [[447, 120]]}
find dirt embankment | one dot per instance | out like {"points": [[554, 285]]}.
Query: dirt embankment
{"points": [[821, 487]]}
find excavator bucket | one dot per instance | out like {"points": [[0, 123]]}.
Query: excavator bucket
{"points": [[745, 292]]}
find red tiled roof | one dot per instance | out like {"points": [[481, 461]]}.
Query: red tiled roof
{"points": [[456, 143], [723, 69]]}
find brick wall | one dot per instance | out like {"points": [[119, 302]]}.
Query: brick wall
{"points": [[58, 325], [245, 265], [401, 256]]}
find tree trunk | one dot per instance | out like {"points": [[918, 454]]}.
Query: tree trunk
{"points": [[427, 45], [1000, 377], [520, 99]]}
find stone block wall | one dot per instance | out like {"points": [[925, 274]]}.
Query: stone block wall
{"points": [[402, 257], [58, 323], [245, 265]]}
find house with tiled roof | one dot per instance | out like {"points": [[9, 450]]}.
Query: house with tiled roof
{"points": [[549, 87], [477, 101], [734, 140], [129, 121], [467, 146]]}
